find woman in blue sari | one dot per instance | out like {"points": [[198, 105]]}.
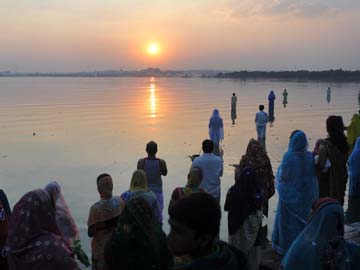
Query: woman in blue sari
{"points": [[297, 188], [321, 244], [271, 99], [353, 213], [216, 130]]}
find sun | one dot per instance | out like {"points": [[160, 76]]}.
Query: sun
{"points": [[153, 48]]}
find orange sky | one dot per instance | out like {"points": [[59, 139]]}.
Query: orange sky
{"points": [[60, 35]]}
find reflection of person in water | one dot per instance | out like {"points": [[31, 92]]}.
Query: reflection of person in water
{"points": [[285, 95], [271, 99], [233, 108], [328, 95]]}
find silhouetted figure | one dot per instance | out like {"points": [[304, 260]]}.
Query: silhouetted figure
{"points": [[102, 219], [216, 131], [261, 119], [154, 168], [271, 99], [194, 227], [334, 148], [321, 245], [211, 167], [244, 202], [285, 96], [297, 190], [328, 95], [256, 158], [353, 213], [359, 98], [233, 108]]}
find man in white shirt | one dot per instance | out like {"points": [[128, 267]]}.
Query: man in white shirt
{"points": [[212, 169], [261, 119]]}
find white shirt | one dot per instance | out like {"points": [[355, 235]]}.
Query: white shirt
{"points": [[261, 119], [212, 169]]}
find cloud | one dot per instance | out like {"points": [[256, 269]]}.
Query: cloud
{"points": [[299, 8]]}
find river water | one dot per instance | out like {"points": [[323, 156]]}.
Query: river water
{"points": [[72, 129]]}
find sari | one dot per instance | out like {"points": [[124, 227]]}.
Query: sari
{"points": [[321, 244], [64, 218], [139, 188], [3, 235], [5, 203], [257, 159], [102, 221], [216, 128], [353, 131], [244, 202], [138, 241], [297, 187], [271, 99], [353, 213], [34, 241], [66, 222]]}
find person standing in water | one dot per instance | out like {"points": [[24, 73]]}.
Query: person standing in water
{"points": [[216, 131], [233, 108], [328, 95], [261, 119], [271, 99], [154, 168], [285, 95]]}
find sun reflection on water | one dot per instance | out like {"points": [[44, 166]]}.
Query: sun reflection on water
{"points": [[152, 100]]}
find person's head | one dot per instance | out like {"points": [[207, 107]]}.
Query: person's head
{"points": [[104, 185], [254, 148], [284, 90], [335, 129], [151, 148], [261, 107], [54, 190], [216, 112], [194, 176], [207, 146], [138, 181], [194, 224], [233, 94], [330, 212], [298, 141]]}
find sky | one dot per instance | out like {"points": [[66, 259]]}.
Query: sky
{"points": [[86, 35]]}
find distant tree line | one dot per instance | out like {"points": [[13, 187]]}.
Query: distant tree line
{"points": [[326, 75]]}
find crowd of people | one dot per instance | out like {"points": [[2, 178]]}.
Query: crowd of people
{"points": [[126, 230]]}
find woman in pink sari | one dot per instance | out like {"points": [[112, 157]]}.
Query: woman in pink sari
{"points": [[34, 240], [66, 222]]}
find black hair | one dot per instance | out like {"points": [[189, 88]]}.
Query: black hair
{"points": [[207, 146], [261, 107], [335, 128], [101, 176], [151, 148], [233, 94], [198, 211]]}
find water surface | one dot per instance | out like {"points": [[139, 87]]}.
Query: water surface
{"points": [[72, 129]]}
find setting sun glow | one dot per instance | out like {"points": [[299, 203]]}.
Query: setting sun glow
{"points": [[153, 49]]}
